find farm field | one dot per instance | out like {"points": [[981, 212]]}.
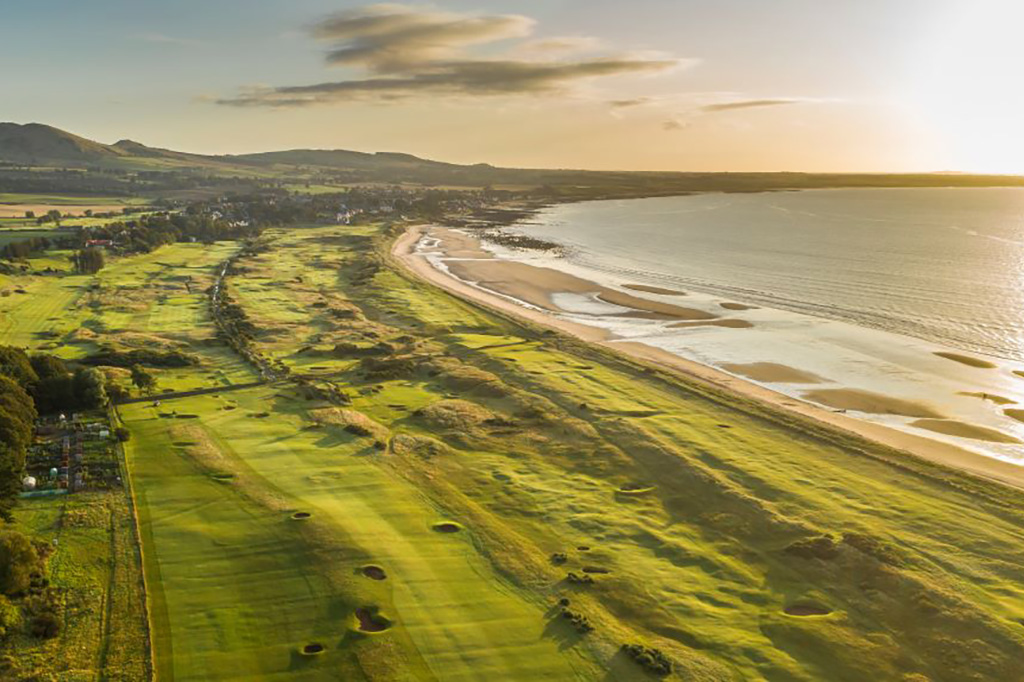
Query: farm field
{"points": [[424, 481], [96, 568]]}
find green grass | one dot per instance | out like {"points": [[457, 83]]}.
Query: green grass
{"points": [[67, 200], [447, 604], [95, 569], [526, 440]]}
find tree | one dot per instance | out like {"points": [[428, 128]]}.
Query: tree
{"points": [[48, 366], [54, 215], [18, 560], [17, 421], [29, 215], [90, 388], [142, 379], [15, 364], [89, 261]]}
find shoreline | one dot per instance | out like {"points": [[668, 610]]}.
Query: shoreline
{"points": [[947, 454]]}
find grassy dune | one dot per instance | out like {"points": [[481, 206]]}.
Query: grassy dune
{"points": [[741, 542]]}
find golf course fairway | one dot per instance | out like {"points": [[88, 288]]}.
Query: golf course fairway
{"points": [[357, 475]]}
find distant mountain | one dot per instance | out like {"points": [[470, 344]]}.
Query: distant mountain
{"points": [[35, 144], [339, 158]]}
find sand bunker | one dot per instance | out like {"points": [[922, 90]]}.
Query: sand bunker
{"points": [[807, 610], [370, 620], [737, 306], [730, 324], [871, 403], [535, 286], [447, 527], [653, 290], [374, 572], [772, 373], [966, 360], [964, 430]]}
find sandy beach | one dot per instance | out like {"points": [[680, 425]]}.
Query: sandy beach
{"points": [[497, 284]]}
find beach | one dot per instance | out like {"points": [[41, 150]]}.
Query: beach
{"points": [[559, 300]]}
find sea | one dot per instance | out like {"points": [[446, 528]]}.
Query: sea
{"points": [[859, 286]]}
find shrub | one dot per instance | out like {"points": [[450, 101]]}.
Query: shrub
{"points": [[45, 625], [650, 659], [18, 560], [10, 617], [122, 434]]}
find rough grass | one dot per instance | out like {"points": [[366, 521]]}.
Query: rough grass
{"points": [[920, 573]]}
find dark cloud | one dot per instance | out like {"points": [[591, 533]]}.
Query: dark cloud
{"points": [[628, 103], [469, 78], [396, 38], [407, 51], [748, 104]]}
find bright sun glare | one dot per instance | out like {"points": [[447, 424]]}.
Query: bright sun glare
{"points": [[968, 86]]}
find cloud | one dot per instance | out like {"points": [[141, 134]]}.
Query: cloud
{"points": [[630, 103], [467, 78], [406, 51], [749, 104], [395, 38], [687, 118]]}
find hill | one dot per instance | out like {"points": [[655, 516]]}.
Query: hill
{"points": [[37, 145]]}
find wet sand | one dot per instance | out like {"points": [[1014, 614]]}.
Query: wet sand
{"points": [[535, 285], [646, 288], [964, 430], [773, 373], [966, 360], [728, 324], [404, 249], [857, 400]]}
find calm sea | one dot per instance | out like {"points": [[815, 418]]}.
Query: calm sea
{"points": [[943, 265]]}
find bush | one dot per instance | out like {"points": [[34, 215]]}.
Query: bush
{"points": [[45, 625], [10, 617], [122, 434], [650, 659], [18, 560]]}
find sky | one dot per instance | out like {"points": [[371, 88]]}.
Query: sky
{"points": [[703, 85]]}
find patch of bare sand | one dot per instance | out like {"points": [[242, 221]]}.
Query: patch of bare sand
{"points": [[458, 245], [653, 290], [738, 306], [1015, 414], [730, 324], [966, 360], [535, 285], [773, 373], [964, 430], [871, 403]]}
